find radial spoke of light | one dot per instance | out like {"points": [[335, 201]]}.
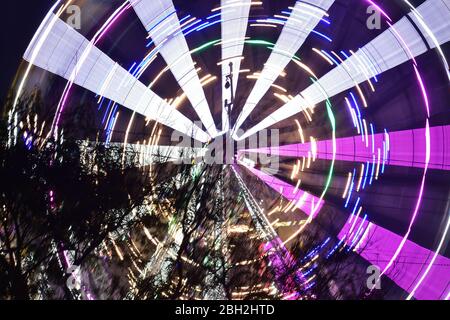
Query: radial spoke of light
{"points": [[234, 29], [304, 201], [153, 154], [376, 245], [384, 53], [303, 19], [402, 148], [60, 54], [161, 22]]}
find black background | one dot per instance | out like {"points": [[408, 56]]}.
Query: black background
{"points": [[18, 23]]}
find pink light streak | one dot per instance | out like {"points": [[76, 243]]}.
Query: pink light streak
{"points": [[379, 9], [419, 202], [424, 91]]}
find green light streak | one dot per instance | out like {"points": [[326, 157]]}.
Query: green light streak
{"points": [[332, 119], [269, 45], [205, 46]]}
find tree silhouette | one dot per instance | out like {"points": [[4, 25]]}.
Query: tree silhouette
{"points": [[87, 220]]}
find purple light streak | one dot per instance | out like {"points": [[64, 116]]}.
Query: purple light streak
{"points": [[377, 245], [311, 205], [407, 148]]}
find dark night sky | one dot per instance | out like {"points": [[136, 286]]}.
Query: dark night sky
{"points": [[19, 21]]}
